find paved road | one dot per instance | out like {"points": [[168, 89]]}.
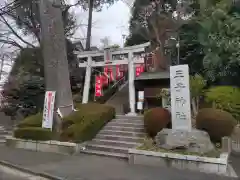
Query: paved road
{"points": [[8, 175], [87, 167]]}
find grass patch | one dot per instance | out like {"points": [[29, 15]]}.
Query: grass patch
{"points": [[148, 145]]}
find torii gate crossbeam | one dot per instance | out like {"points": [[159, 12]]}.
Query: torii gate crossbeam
{"points": [[130, 61]]}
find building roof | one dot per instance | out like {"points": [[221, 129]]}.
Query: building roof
{"points": [[154, 75]]}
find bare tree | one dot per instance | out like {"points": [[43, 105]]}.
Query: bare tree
{"points": [[158, 21]]}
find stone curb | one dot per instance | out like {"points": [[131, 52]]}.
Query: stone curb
{"points": [[28, 171]]}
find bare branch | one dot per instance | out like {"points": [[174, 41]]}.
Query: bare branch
{"points": [[13, 16], [34, 25], [13, 43], [15, 33]]}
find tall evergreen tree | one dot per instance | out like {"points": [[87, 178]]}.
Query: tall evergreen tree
{"points": [[210, 43]]}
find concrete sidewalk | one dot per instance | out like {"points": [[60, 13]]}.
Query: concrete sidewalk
{"points": [[88, 167]]}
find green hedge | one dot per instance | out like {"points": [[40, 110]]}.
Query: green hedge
{"points": [[80, 125], [33, 133], [89, 122], [82, 111], [226, 98], [32, 121]]}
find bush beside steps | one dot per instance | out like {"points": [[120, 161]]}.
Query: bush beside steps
{"points": [[155, 119], [33, 133], [217, 123], [79, 126]]}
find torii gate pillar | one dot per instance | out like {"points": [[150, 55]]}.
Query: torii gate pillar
{"points": [[131, 86], [87, 82]]}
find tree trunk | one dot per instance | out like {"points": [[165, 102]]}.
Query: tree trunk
{"points": [[53, 45], [89, 28]]}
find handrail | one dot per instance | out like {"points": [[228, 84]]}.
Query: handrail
{"points": [[115, 84]]}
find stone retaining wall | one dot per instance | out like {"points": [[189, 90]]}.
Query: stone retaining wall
{"points": [[44, 146], [190, 162]]}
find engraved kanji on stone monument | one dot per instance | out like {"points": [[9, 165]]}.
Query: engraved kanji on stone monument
{"points": [[180, 97]]}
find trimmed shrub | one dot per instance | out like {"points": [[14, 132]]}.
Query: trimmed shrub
{"points": [[217, 123], [32, 121], [33, 133], [83, 110], [89, 122], [155, 120], [226, 98], [80, 125]]}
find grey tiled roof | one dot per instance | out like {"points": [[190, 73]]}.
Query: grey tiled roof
{"points": [[154, 75]]}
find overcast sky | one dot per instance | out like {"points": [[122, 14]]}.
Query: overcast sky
{"points": [[111, 22]]}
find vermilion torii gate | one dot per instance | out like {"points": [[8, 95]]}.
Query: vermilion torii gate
{"points": [[131, 60]]}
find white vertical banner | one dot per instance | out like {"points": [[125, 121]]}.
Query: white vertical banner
{"points": [[141, 96], [180, 97], [140, 100], [48, 109]]}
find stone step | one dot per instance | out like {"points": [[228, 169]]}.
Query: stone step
{"points": [[122, 128], [3, 138], [132, 124], [115, 143], [122, 133], [2, 141], [137, 121], [4, 132], [120, 138], [129, 117], [104, 153], [106, 148]]}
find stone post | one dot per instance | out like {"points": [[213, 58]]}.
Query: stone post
{"points": [[226, 144]]}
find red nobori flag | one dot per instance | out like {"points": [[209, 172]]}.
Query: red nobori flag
{"points": [[121, 74], [138, 71], [111, 78], [118, 73], [105, 76], [98, 86], [105, 70], [122, 67], [142, 68], [104, 80]]}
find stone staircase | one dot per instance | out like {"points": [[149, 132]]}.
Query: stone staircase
{"points": [[117, 137], [3, 133], [119, 98]]}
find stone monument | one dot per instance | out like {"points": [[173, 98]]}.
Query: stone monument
{"points": [[182, 136], [180, 98]]}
